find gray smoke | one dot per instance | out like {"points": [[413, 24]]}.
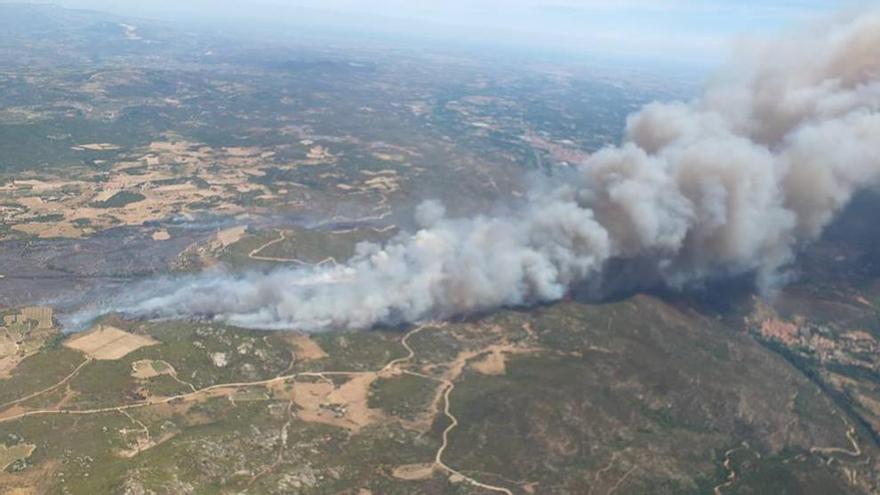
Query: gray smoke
{"points": [[728, 184]]}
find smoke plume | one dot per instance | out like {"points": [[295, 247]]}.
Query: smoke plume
{"points": [[728, 184]]}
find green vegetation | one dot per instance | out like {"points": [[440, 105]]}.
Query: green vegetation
{"points": [[357, 351], [404, 396], [120, 199], [15, 453], [38, 372], [632, 396], [306, 246], [787, 476], [53, 217], [160, 366], [600, 396]]}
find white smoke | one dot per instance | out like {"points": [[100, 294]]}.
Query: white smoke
{"points": [[728, 184]]}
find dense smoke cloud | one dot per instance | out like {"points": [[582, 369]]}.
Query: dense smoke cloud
{"points": [[728, 184]]}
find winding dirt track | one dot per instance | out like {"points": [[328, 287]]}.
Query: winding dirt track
{"points": [[851, 436], [447, 410], [825, 451], [227, 388], [48, 389], [731, 474], [254, 254], [438, 459]]}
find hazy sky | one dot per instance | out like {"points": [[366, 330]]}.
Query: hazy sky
{"points": [[679, 30]]}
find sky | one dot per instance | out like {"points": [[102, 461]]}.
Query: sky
{"points": [[696, 31]]}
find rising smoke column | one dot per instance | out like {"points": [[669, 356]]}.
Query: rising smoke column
{"points": [[728, 184]]}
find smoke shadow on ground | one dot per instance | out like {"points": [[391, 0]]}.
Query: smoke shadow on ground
{"points": [[848, 252]]}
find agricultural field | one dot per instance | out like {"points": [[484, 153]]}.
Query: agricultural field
{"points": [[135, 139], [599, 392], [132, 152]]}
